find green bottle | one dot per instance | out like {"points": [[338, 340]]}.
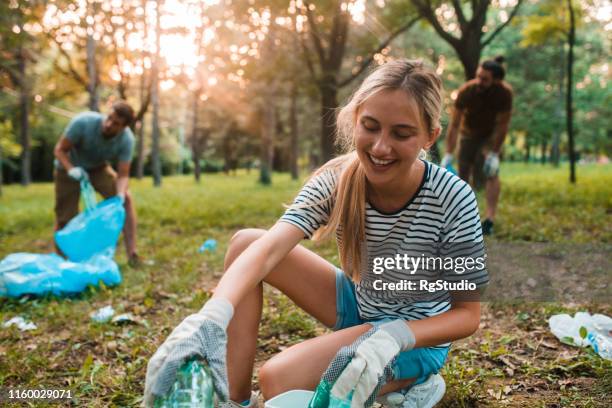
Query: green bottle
{"points": [[193, 388]]}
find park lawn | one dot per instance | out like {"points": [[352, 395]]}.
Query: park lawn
{"points": [[512, 361]]}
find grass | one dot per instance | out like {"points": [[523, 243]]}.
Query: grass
{"points": [[104, 364]]}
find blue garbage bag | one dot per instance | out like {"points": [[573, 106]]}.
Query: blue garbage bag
{"points": [[94, 231], [38, 274]]}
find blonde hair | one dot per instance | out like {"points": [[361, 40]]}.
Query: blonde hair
{"points": [[347, 218]]}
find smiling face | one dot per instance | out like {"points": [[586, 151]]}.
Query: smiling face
{"points": [[389, 135]]}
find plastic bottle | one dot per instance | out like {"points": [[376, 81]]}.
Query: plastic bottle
{"points": [[601, 344], [340, 403], [193, 388]]}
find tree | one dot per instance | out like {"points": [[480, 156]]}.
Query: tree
{"points": [[549, 25], [571, 39], [155, 154], [472, 37], [17, 48], [324, 44]]}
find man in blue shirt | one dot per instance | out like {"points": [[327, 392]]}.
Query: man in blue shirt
{"points": [[89, 144]]}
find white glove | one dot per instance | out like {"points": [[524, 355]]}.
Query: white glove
{"points": [[78, 174], [447, 161], [491, 165], [365, 372], [201, 335]]}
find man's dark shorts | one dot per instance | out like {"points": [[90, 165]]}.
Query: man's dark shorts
{"points": [[471, 159], [67, 190]]}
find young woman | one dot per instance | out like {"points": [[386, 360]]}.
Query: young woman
{"points": [[380, 195]]}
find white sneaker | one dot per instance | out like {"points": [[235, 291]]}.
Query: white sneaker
{"points": [[424, 395], [427, 394], [231, 404]]}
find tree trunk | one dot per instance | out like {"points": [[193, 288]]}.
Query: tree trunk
{"points": [[24, 119], [527, 152], [155, 154], [140, 149], [469, 53], [268, 124], [555, 154], [569, 105], [544, 151], [144, 100], [195, 151], [197, 168], [329, 103], [293, 129], [92, 86]]}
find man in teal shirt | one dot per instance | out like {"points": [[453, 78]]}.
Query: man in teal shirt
{"points": [[89, 144]]}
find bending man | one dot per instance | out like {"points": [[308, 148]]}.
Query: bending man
{"points": [[481, 115], [90, 141]]}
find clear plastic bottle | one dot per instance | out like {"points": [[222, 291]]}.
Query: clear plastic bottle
{"points": [[193, 388], [601, 344]]}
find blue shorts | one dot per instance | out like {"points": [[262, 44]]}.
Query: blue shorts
{"points": [[417, 363]]}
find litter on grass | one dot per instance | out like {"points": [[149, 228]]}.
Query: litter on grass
{"points": [[103, 314], [21, 324], [209, 245], [88, 240], [584, 330]]}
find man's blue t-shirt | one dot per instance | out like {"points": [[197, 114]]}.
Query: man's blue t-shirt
{"points": [[91, 148]]}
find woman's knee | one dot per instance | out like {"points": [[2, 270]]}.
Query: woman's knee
{"points": [[271, 378], [240, 241]]}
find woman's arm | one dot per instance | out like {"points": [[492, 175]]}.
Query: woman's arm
{"points": [[461, 321], [252, 265]]}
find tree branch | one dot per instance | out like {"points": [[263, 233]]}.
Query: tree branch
{"points": [[366, 63], [306, 55], [337, 37], [428, 13], [460, 15], [314, 34], [490, 38], [144, 107], [71, 69]]}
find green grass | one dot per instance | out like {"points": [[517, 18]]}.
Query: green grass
{"points": [[105, 364]]}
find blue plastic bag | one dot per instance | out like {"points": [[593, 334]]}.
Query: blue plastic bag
{"points": [[38, 274], [92, 232]]}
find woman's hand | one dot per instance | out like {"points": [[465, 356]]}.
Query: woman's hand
{"points": [[201, 335], [365, 365]]}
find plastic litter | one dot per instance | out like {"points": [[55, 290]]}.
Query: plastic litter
{"points": [[21, 324], [208, 245], [601, 344], [598, 330], [38, 274], [92, 232], [89, 242], [193, 388], [103, 314]]}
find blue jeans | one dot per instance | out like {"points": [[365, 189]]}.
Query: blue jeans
{"points": [[417, 363]]}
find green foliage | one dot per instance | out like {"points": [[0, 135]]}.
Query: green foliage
{"points": [[549, 23], [8, 146]]}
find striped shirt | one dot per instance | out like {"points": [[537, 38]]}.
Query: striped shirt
{"points": [[442, 212]]}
